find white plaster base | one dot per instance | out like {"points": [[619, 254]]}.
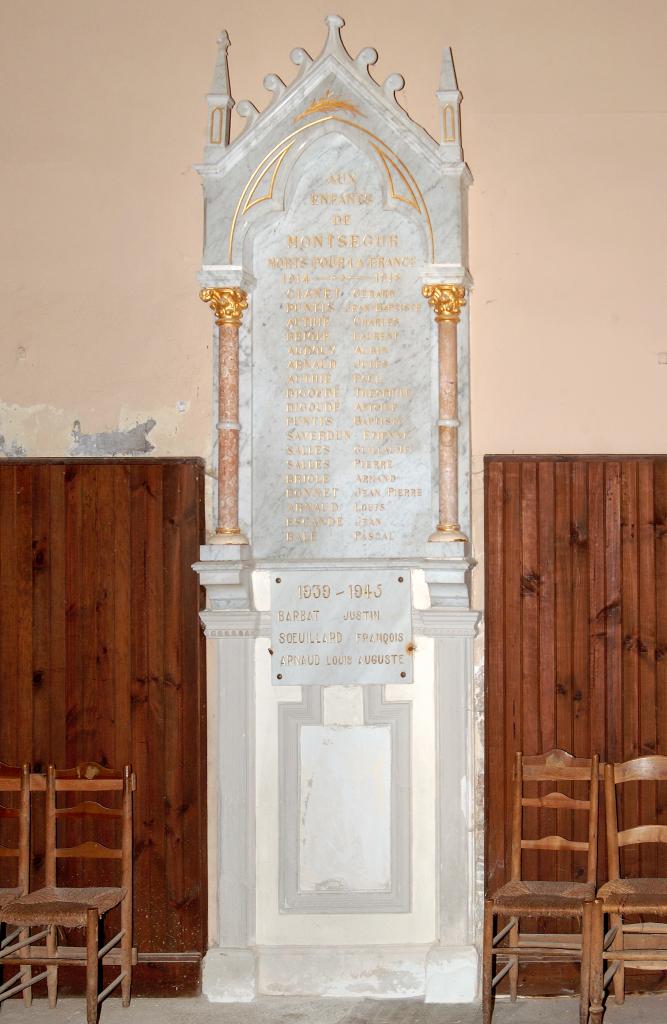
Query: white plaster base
{"points": [[452, 974], [229, 975], [439, 974], [380, 972]]}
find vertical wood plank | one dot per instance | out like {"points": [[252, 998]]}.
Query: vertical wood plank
{"points": [[660, 530], [629, 794], [581, 720], [141, 735], [24, 623], [497, 810], [512, 597], [530, 582], [563, 627], [8, 615], [597, 632], [122, 624], [176, 807], [547, 639], [646, 651], [57, 616], [613, 616]]}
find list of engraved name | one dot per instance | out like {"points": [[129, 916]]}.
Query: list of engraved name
{"points": [[346, 412]]}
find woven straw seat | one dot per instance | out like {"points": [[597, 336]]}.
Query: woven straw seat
{"points": [[62, 906], [634, 895], [556, 899], [7, 895]]}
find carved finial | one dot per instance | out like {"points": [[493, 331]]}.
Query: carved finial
{"points": [[302, 59], [220, 83], [393, 84], [334, 43], [248, 110], [275, 85], [365, 57]]}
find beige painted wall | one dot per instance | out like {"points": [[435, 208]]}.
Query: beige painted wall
{"points": [[565, 130]]}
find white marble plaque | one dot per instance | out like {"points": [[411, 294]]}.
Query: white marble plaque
{"points": [[342, 351], [341, 627], [345, 809]]}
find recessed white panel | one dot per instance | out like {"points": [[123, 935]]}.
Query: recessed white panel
{"points": [[345, 809]]}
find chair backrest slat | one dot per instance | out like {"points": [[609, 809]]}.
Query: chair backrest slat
{"points": [[558, 801], [553, 843], [89, 809], [652, 768], [86, 785], [88, 779], [643, 834], [555, 766], [91, 850]]}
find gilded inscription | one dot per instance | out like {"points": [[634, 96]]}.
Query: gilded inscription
{"points": [[349, 341]]}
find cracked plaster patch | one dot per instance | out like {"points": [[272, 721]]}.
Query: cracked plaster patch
{"points": [[11, 449], [133, 441]]}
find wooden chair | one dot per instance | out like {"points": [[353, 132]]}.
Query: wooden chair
{"points": [[627, 896], [55, 907], [16, 780], [520, 898]]}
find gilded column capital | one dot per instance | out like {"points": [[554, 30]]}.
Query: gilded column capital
{"points": [[446, 300], [228, 304]]}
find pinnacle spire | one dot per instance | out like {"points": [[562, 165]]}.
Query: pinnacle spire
{"points": [[449, 101], [448, 81], [219, 101], [220, 83]]}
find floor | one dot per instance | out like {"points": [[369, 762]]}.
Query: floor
{"points": [[636, 1010]]}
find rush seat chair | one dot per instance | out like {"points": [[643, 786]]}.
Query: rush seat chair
{"points": [[56, 907], [622, 897], [15, 780], [522, 898]]}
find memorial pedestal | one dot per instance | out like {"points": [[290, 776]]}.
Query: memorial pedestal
{"points": [[413, 937]]}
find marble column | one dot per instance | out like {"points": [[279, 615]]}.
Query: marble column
{"points": [[228, 305], [446, 301]]}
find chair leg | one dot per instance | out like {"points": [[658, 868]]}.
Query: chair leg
{"points": [[26, 971], [585, 987], [514, 969], [487, 963], [126, 949], [619, 976], [52, 970], [92, 964], [597, 964]]}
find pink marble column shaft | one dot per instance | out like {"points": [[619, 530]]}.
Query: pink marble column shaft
{"points": [[228, 305], [447, 300]]}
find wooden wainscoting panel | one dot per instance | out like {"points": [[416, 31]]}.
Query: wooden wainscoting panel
{"points": [[576, 647], [101, 656]]}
